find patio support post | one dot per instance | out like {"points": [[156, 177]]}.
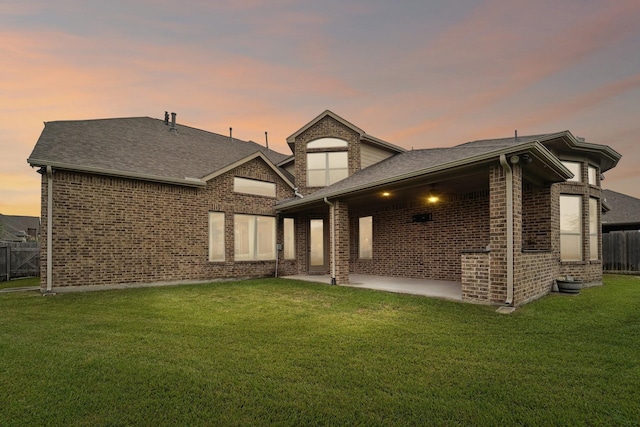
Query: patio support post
{"points": [[339, 214]]}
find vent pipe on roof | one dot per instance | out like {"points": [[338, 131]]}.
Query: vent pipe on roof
{"points": [[516, 137], [166, 118], [266, 139], [173, 122], [231, 134]]}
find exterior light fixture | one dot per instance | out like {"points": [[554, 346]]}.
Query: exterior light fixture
{"points": [[432, 198], [386, 194]]}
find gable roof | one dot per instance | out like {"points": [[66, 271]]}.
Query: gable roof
{"points": [[419, 163], [363, 135], [624, 209], [142, 148]]}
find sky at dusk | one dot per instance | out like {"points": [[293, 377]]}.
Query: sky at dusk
{"points": [[418, 74]]}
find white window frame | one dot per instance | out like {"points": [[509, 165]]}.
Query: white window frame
{"points": [[328, 143], [365, 237], [288, 231], [594, 253], [249, 244], [570, 228], [327, 168], [216, 237], [254, 187], [593, 175], [575, 168]]}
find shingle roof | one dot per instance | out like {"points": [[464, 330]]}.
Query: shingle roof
{"points": [[419, 162], [624, 209], [142, 146], [16, 227]]}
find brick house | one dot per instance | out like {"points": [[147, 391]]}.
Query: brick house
{"points": [[140, 200]]}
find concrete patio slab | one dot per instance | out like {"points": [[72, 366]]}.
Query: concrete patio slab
{"points": [[425, 287]]}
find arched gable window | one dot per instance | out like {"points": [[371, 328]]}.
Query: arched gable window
{"points": [[327, 161]]}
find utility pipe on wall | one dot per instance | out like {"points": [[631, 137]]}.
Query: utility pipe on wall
{"points": [[509, 178], [49, 227], [333, 240]]}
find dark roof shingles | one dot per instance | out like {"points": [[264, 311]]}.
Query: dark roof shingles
{"points": [[142, 145]]}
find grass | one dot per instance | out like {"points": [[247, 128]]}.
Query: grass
{"points": [[20, 283], [292, 353]]}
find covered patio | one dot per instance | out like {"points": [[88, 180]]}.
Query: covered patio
{"points": [[425, 287]]}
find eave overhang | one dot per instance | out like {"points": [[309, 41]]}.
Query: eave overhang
{"points": [[186, 181], [547, 162]]}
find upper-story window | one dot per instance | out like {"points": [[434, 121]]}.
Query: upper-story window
{"points": [[575, 169], [593, 176], [327, 161], [252, 186], [327, 143]]}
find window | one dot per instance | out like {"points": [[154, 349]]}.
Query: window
{"points": [[252, 186], [593, 176], [255, 237], [289, 242], [327, 143], [216, 236], [329, 166], [570, 228], [593, 228], [365, 241], [326, 168], [575, 169]]}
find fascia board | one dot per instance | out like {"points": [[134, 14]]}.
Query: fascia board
{"points": [[187, 181], [543, 153]]}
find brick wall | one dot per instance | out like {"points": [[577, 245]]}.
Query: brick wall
{"points": [[402, 248], [326, 127], [109, 230], [586, 270], [476, 276]]}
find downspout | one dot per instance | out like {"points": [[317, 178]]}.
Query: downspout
{"points": [[49, 227], [277, 244], [333, 241], [509, 178]]}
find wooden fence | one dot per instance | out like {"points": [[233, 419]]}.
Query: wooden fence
{"points": [[19, 260], [621, 252]]}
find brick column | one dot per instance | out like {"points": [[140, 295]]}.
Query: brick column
{"points": [[339, 216], [498, 229]]}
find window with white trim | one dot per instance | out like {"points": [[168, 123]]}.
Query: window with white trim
{"points": [[592, 172], [289, 238], [327, 161], [254, 237], [570, 228], [365, 240], [575, 168], [216, 236], [253, 186], [593, 229], [326, 168]]}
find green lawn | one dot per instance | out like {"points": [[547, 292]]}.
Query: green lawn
{"points": [[20, 283], [292, 353]]}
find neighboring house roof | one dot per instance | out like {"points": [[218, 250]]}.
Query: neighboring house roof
{"points": [[417, 163], [145, 148], [624, 210], [15, 228], [363, 135]]}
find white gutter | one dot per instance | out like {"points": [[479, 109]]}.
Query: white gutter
{"points": [[509, 178], [333, 240], [49, 227]]}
